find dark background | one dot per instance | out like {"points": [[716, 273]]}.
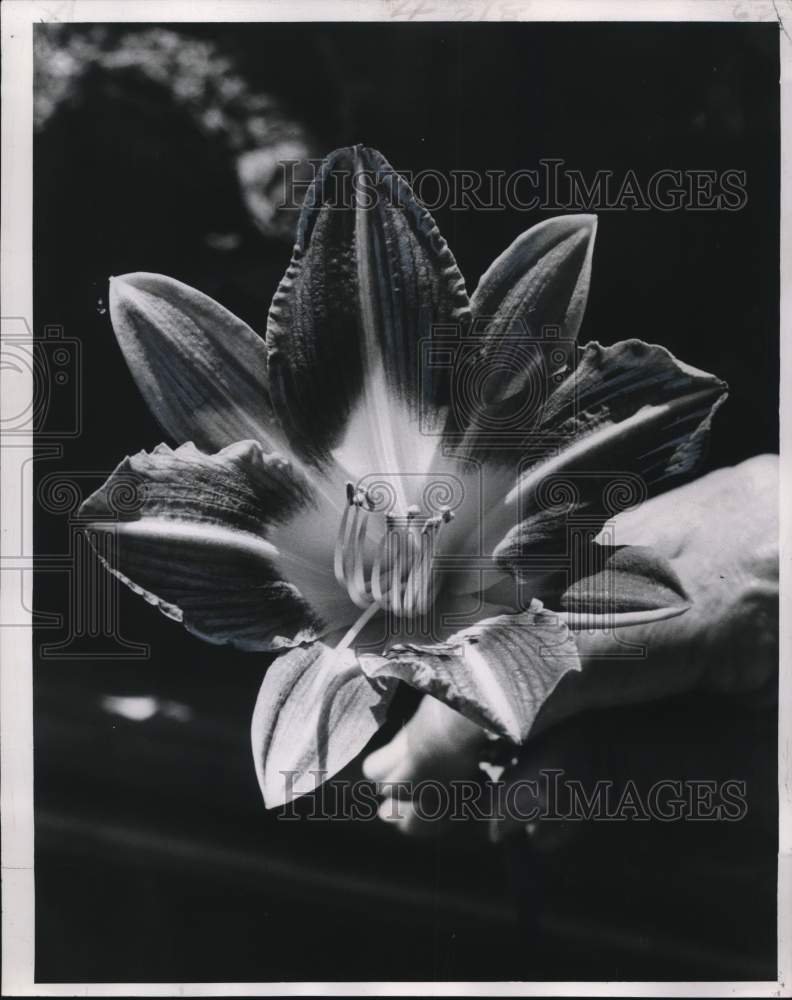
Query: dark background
{"points": [[155, 859]]}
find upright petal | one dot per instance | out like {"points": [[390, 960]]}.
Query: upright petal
{"points": [[541, 280], [315, 712], [628, 419], [369, 278], [527, 310], [497, 673], [202, 371], [193, 533]]}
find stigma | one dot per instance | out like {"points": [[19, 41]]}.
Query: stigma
{"points": [[387, 558]]}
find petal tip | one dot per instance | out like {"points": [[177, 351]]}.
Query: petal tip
{"points": [[123, 287], [584, 220], [130, 278]]}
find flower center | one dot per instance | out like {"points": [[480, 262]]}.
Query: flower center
{"points": [[392, 569]]}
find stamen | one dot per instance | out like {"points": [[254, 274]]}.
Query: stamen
{"points": [[340, 545], [400, 579], [429, 535], [376, 572], [359, 584], [415, 588], [347, 555], [412, 557], [395, 553]]}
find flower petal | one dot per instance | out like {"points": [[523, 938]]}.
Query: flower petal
{"points": [[369, 277], [498, 673], [541, 280], [627, 584], [315, 712], [527, 310], [543, 277], [194, 535], [629, 418], [202, 371]]}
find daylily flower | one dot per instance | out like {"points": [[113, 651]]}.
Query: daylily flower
{"points": [[383, 490]]}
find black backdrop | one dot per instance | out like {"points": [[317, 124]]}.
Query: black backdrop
{"points": [[155, 859]]}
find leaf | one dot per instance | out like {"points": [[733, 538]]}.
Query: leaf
{"points": [[497, 673], [201, 370], [315, 712]]}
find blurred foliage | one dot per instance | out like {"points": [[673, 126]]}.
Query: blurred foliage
{"points": [[192, 76]]}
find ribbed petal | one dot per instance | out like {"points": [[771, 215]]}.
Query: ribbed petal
{"points": [[202, 371], [497, 673], [347, 329], [315, 712], [629, 418], [527, 310], [194, 535], [542, 279]]}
